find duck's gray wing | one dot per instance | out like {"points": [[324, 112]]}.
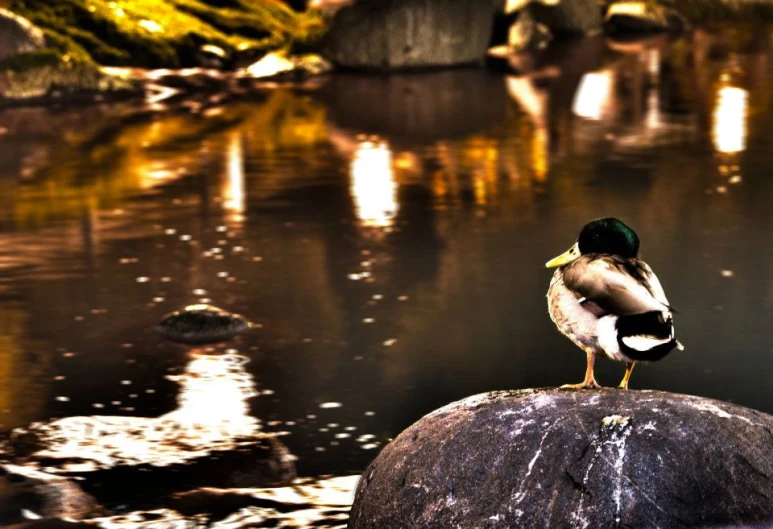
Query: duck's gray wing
{"points": [[619, 286]]}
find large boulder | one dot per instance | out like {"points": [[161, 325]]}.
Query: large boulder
{"points": [[553, 458], [18, 35], [403, 34]]}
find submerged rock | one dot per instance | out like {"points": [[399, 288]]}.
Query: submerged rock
{"points": [[26, 494], [401, 34], [18, 35], [552, 458], [201, 324]]}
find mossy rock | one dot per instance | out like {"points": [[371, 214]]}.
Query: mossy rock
{"points": [[124, 35], [39, 76]]}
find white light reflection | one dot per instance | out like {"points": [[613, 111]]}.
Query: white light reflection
{"points": [[234, 198], [730, 116], [212, 414], [653, 117], [592, 98], [373, 185], [212, 405], [653, 65]]}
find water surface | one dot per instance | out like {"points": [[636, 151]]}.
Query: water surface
{"points": [[388, 235]]}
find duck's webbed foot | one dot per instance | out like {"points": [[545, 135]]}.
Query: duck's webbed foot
{"points": [[585, 384], [590, 380], [627, 376]]}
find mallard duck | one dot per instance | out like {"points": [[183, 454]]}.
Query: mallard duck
{"points": [[609, 302]]}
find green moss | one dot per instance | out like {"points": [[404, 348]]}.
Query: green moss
{"points": [[165, 33]]}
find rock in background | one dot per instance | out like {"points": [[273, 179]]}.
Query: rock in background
{"points": [[18, 35], [527, 34], [402, 34], [552, 458], [570, 17], [643, 17]]}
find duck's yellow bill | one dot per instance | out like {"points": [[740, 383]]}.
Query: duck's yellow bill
{"points": [[565, 258]]}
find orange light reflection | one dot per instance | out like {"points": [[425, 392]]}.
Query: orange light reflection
{"points": [[234, 199]]}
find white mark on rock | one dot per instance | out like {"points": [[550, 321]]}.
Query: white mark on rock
{"points": [[519, 425], [521, 492], [615, 430], [719, 412], [621, 429]]}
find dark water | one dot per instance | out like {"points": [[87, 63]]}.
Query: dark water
{"points": [[389, 235]]}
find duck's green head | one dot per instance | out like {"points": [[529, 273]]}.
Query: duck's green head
{"points": [[606, 236]]}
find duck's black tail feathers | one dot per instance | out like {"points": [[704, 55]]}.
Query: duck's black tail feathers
{"points": [[646, 337]]}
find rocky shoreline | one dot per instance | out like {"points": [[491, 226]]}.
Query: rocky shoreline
{"points": [[368, 35]]}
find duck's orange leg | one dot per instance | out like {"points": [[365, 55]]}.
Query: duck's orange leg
{"points": [[590, 380]]}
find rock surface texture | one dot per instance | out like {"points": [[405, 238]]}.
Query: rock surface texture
{"points": [[18, 35], [570, 17], [584, 459], [403, 34], [201, 324]]}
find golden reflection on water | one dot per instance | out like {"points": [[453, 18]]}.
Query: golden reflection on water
{"points": [[22, 369], [729, 124], [540, 149], [106, 159], [234, 199], [373, 184]]}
